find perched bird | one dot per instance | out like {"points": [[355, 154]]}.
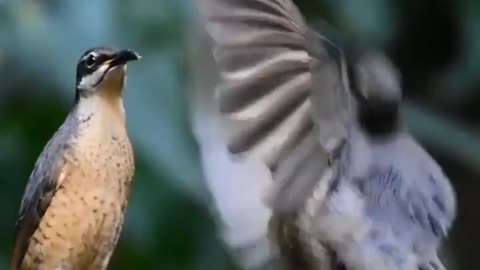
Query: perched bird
{"points": [[74, 204], [308, 145]]}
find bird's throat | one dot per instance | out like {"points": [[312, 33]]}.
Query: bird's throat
{"points": [[103, 107], [380, 119]]}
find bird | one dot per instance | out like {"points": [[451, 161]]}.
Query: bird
{"points": [[75, 201], [305, 151]]}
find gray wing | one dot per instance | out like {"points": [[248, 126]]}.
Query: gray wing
{"points": [[267, 55], [260, 52], [41, 187]]}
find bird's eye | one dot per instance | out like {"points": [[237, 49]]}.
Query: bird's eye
{"points": [[91, 59]]}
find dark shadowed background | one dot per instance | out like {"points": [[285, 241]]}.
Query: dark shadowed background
{"points": [[436, 45]]}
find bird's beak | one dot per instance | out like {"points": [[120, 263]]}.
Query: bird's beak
{"points": [[122, 57]]}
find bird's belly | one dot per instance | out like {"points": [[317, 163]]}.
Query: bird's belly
{"points": [[80, 228]]}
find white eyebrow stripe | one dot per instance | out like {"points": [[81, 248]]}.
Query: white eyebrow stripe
{"points": [[92, 53]]}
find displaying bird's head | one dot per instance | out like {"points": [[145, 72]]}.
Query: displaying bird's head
{"points": [[375, 82], [102, 70], [375, 79]]}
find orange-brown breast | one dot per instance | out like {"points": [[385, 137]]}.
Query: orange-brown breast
{"points": [[81, 226]]}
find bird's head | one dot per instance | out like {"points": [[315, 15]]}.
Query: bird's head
{"points": [[375, 79], [375, 83], [103, 70]]}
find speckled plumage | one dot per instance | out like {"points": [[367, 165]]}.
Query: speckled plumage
{"points": [[74, 204]]}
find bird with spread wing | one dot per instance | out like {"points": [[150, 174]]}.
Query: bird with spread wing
{"points": [[305, 151]]}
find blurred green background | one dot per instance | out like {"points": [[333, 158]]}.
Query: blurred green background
{"points": [[436, 45]]}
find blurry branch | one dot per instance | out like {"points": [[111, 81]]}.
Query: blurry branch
{"points": [[447, 136], [461, 81]]}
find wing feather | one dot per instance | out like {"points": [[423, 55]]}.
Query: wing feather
{"points": [[47, 176], [267, 56], [269, 60]]}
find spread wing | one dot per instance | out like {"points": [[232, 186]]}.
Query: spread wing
{"points": [[278, 127], [45, 179], [267, 56]]}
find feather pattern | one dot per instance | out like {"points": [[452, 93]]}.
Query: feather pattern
{"points": [[44, 181], [266, 56], [262, 49]]}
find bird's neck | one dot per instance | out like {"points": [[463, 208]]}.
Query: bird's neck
{"points": [[106, 108], [380, 119]]}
